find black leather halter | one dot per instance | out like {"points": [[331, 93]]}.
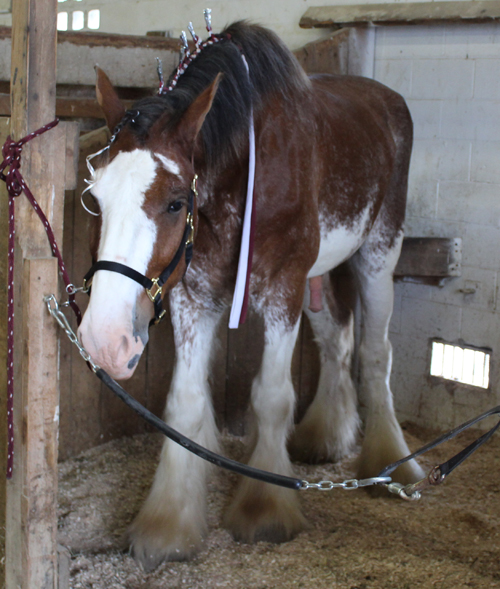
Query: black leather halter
{"points": [[154, 286]]}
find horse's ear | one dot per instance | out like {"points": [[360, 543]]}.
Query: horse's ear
{"points": [[194, 117], [108, 100]]}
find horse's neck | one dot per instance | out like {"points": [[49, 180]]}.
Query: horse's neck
{"points": [[224, 186]]}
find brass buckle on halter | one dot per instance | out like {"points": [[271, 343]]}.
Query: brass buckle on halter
{"points": [[158, 319], [159, 290], [87, 284], [193, 185], [189, 221], [190, 218]]}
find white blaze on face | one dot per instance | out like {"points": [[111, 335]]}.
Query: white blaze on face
{"points": [[128, 237]]}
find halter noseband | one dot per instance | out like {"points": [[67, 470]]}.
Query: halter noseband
{"points": [[154, 286]]}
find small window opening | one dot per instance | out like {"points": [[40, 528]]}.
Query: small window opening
{"points": [[62, 21], [93, 19], [78, 20], [461, 364]]}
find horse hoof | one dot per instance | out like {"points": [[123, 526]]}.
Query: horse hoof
{"points": [[146, 558], [306, 454], [313, 444], [274, 533], [151, 552], [154, 540], [408, 473], [263, 515]]}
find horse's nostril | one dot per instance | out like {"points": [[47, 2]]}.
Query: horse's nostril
{"points": [[133, 362]]}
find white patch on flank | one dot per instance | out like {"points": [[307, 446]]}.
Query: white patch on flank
{"points": [[56, 414], [169, 165], [339, 243]]}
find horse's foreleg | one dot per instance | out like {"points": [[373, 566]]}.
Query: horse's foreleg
{"points": [[172, 521], [383, 441], [262, 511], [329, 429]]}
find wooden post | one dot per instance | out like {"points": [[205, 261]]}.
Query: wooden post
{"points": [[4, 234], [31, 527]]}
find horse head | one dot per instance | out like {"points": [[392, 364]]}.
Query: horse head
{"points": [[144, 190]]}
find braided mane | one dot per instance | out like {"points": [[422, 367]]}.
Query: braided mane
{"points": [[273, 70]]}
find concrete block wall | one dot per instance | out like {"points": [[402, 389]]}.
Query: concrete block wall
{"points": [[450, 77]]}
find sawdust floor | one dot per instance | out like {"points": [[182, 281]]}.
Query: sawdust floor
{"points": [[448, 539]]}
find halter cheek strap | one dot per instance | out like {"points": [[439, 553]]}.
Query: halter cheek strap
{"points": [[154, 286]]}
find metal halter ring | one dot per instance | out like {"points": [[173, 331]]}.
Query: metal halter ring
{"points": [[159, 290]]}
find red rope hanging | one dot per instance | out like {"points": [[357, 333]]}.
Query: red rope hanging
{"points": [[11, 152]]}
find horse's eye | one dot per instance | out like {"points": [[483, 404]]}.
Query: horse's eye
{"points": [[176, 206]]}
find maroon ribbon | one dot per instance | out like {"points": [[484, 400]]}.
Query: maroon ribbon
{"points": [[11, 152]]}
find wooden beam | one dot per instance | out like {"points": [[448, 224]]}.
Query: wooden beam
{"points": [[92, 39], [347, 51], [94, 140], [401, 13], [437, 257], [67, 107], [4, 232], [78, 53], [72, 155], [31, 528], [328, 56]]}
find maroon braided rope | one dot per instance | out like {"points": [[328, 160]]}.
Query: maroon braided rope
{"points": [[189, 58], [163, 89], [11, 152]]}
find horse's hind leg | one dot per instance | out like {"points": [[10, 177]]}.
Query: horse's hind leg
{"points": [[262, 511], [172, 521], [383, 441], [329, 429]]}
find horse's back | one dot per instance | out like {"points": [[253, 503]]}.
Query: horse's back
{"points": [[348, 96], [364, 147]]}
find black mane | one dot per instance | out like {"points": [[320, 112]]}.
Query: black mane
{"points": [[273, 71]]}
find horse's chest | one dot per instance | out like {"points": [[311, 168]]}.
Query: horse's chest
{"points": [[339, 242]]}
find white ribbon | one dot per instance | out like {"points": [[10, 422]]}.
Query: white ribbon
{"points": [[241, 277]]}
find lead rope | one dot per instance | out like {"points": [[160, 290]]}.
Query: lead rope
{"points": [[11, 152], [178, 438], [411, 492]]}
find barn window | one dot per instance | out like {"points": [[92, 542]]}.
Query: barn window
{"points": [[78, 20], [93, 19], [62, 21], [461, 364]]}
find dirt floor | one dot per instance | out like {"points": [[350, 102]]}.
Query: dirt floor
{"points": [[448, 539]]}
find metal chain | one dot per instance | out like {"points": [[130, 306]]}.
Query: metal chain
{"points": [[348, 485], [54, 309]]}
